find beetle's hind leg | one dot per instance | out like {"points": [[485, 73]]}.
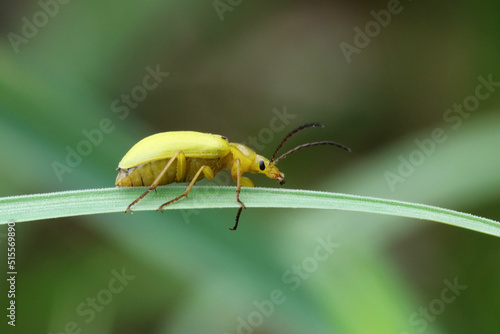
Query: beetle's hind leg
{"points": [[181, 164], [209, 174]]}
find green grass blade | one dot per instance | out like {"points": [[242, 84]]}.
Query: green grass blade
{"points": [[107, 200]]}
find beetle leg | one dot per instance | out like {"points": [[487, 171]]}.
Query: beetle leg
{"points": [[156, 181], [238, 189], [207, 171], [246, 182], [181, 168]]}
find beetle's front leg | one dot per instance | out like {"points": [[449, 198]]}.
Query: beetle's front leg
{"points": [[236, 174], [246, 182]]}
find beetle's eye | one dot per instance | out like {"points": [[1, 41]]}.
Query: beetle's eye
{"points": [[262, 166]]}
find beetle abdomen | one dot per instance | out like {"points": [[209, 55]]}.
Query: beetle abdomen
{"points": [[145, 174]]}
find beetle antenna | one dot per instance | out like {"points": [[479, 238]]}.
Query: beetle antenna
{"points": [[302, 127], [318, 143]]}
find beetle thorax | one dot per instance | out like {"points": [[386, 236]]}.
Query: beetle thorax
{"points": [[244, 153]]}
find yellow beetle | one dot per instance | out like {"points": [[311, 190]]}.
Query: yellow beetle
{"points": [[188, 156]]}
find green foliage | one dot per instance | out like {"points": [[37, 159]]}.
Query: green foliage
{"points": [[229, 77], [95, 201]]}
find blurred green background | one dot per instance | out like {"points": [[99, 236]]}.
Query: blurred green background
{"points": [[66, 67]]}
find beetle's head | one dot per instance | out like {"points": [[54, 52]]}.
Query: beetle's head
{"points": [[263, 165], [255, 163]]}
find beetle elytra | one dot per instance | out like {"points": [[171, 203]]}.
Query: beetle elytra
{"points": [[188, 156]]}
